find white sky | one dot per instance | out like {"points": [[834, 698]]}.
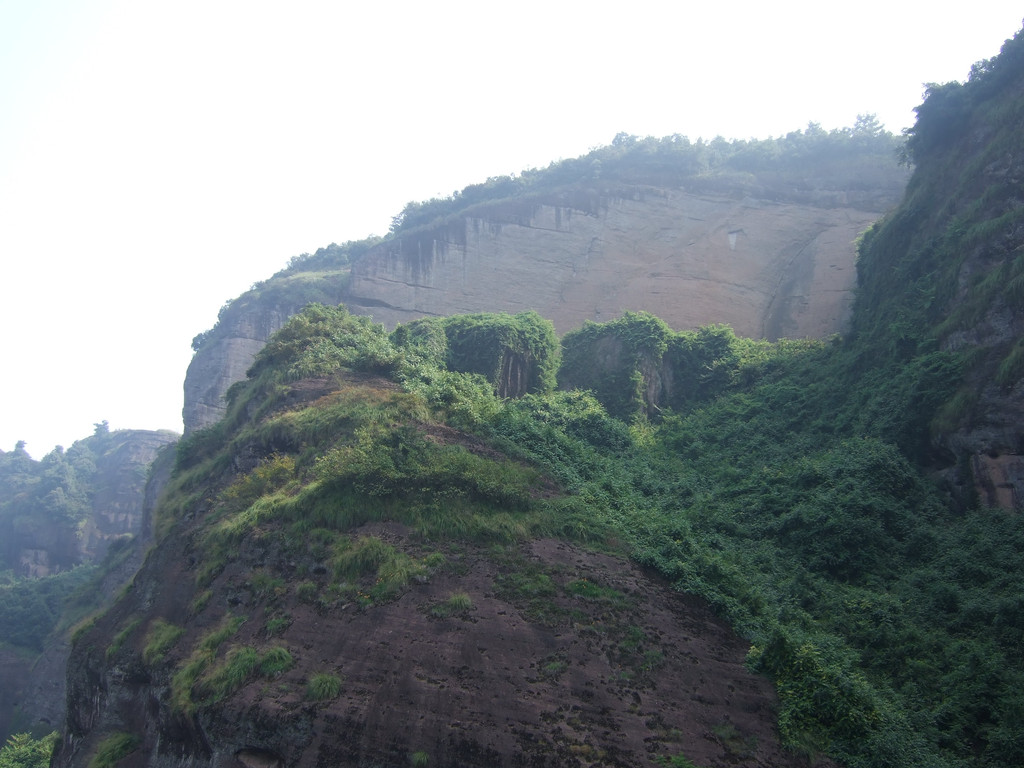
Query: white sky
{"points": [[157, 158]]}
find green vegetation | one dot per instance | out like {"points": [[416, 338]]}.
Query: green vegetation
{"points": [[459, 604], [160, 639], [278, 624], [516, 353], [112, 749], [789, 484], [23, 751], [202, 681], [843, 159], [202, 658], [323, 686], [121, 636], [43, 505], [276, 661], [677, 761], [32, 608]]}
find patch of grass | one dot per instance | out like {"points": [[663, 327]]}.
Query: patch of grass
{"points": [[591, 590], [363, 557], [323, 686], [371, 556], [265, 586], [459, 604], [214, 639], [276, 625], [238, 666], [735, 743], [676, 761], [184, 681], [419, 759], [552, 669], [276, 661], [112, 749], [121, 636], [201, 601], [203, 655], [532, 591], [79, 630], [306, 592], [161, 637]]}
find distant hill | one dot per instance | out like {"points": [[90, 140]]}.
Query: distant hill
{"points": [[59, 517]]}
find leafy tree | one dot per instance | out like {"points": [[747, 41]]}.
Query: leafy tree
{"points": [[23, 751]]}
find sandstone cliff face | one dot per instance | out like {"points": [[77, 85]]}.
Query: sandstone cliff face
{"points": [[224, 360], [768, 269], [119, 499], [241, 331]]}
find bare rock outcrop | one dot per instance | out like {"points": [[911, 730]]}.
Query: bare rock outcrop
{"points": [[768, 269]]}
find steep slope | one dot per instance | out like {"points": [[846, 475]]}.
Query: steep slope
{"points": [[343, 579], [759, 235], [945, 270], [224, 354], [371, 530], [768, 268]]}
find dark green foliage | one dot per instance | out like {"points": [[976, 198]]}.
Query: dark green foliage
{"points": [[330, 258], [948, 108], [518, 354], [843, 159], [701, 364], [945, 269], [320, 339], [618, 361], [44, 501], [637, 365], [786, 483], [31, 608], [458, 605], [160, 639], [276, 661], [323, 686], [424, 340], [23, 751], [112, 749]]}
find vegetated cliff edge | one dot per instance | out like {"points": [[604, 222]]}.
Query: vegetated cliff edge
{"points": [[945, 272], [759, 235], [343, 578]]}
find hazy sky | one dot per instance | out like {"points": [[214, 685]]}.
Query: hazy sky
{"points": [[157, 158]]}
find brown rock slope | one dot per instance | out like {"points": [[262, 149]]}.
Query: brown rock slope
{"points": [[545, 654], [254, 638]]}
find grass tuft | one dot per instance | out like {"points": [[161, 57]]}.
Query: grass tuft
{"points": [[323, 686]]}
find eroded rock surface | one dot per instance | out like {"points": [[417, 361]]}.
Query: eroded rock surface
{"points": [[767, 269], [605, 665]]}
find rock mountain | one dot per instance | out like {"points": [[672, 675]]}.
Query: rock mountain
{"points": [[759, 236], [364, 556]]}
